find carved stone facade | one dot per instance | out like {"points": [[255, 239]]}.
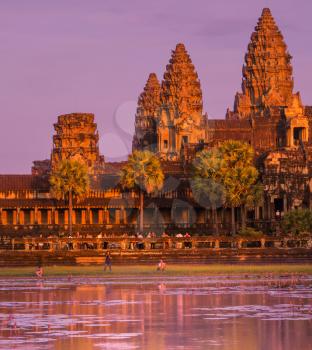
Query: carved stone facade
{"points": [[267, 73], [172, 116], [76, 137], [267, 114], [170, 122], [181, 120], [145, 136]]}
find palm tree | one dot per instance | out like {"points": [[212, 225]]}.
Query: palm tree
{"points": [[69, 180], [206, 187], [253, 199], [238, 174], [142, 173]]}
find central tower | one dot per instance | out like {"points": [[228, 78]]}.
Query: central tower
{"points": [[181, 119]]}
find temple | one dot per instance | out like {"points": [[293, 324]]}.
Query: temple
{"points": [[170, 122]]}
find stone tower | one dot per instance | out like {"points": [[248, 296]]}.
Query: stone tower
{"points": [[267, 73], [76, 137], [146, 116], [181, 119]]}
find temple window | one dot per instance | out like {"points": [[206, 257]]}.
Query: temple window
{"points": [[184, 140], [9, 217], [299, 134], [44, 216], [27, 217], [78, 216], [61, 216], [165, 144], [95, 216], [278, 205]]}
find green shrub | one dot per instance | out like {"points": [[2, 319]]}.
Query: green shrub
{"points": [[250, 232], [297, 221]]}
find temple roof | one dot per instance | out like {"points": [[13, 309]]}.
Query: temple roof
{"points": [[23, 182], [267, 71], [99, 182], [229, 124], [149, 100], [181, 89]]}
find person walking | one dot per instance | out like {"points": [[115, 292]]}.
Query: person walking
{"points": [[108, 262]]}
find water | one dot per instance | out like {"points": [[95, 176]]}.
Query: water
{"points": [[224, 313]]}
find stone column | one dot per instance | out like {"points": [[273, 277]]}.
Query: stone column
{"points": [[56, 221], [125, 219], [285, 203], [188, 217], [269, 208], [32, 217], [90, 216], [1, 219], [101, 216], [15, 217], [106, 216], [39, 217], [36, 216], [21, 218], [83, 216], [53, 216], [257, 212], [49, 217], [117, 216], [74, 217]]}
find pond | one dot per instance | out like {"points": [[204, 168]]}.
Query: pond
{"points": [[217, 312]]}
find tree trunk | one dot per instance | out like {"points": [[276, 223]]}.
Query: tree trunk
{"points": [[215, 220], [233, 223], [141, 209], [243, 211], [70, 211]]}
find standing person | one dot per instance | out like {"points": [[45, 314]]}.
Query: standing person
{"points": [[108, 262], [39, 271], [161, 265]]}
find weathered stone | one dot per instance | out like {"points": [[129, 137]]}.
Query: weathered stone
{"points": [[146, 115], [77, 138], [170, 121], [267, 73], [181, 120]]}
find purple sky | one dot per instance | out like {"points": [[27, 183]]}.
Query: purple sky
{"points": [[94, 56]]}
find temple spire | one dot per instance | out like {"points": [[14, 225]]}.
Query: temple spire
{"points": [[149, 100], [146, 114], [181, 121], [181, 89], [267, 72]]}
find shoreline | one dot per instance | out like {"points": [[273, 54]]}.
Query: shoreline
{"points": [[178, 270]]}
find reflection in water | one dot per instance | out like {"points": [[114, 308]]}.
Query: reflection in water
{"points": [[234, 313]]}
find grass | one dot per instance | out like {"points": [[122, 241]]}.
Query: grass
{"points": [[150, 270]]}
